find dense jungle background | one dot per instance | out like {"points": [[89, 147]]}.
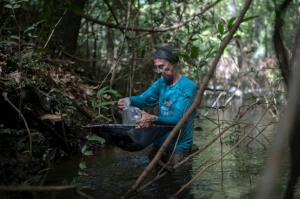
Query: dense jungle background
{"points": [[64, 64]]}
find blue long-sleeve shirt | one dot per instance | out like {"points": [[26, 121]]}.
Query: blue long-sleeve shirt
{"points": [[173, 101]]}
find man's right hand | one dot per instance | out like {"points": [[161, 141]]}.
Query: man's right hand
{"points": [[146, 119], [123, 103]]}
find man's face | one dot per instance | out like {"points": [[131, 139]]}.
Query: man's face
{"points": [[165, 69]]}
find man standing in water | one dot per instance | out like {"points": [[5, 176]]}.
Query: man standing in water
{"points": [[173, 93]]}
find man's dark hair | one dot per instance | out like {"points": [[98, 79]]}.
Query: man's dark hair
{"points": [[168, 53]]}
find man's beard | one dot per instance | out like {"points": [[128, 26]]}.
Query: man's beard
{"points": [[168, 80]]}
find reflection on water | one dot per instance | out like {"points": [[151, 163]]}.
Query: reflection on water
{"points": [[112, 171], [125, 169]]}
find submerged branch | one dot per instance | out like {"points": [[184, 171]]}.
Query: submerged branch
{"points": [[218, 160], [160, 175], [199, 151]]}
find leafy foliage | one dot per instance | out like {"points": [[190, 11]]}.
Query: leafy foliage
{"points": [[104, 100]]}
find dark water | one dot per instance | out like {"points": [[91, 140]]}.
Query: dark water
{"points": [[111, 171]]}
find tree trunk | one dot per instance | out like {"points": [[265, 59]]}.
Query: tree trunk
{"points": [[279, 45], [70, 26], [66, 32]]}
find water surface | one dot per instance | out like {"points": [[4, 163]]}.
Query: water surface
{"points": [[111, 171]]}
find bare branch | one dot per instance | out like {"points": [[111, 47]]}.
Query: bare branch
{"points": [[36, 188], [4, 94], [221, 158], [138, 29]]}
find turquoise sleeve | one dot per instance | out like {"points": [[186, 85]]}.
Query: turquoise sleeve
{"points": [[149, 98], [182, 103]]}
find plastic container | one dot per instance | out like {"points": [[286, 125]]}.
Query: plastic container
{"points": [[130, 115]]}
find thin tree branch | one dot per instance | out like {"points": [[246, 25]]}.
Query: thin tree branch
{"points": [[44, 189], [4, 94], [36, 188], [259, 133], [111, 11], [51, 34], [210, 165], [115, 18], [152, 30], [81, 193]]}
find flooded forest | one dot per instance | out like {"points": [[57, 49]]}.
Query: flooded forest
{"points": [[66, 66]]}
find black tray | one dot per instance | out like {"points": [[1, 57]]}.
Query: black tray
{"points": [[128, 137]]}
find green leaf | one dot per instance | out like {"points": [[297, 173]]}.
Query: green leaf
{"points": [[94, 103], [221, 28], [88, 153], [16, 6], [249, 18], [95, 138], [230, 23], [101, 91], [84, 148], [211, 51], [115, 93], [15, 37], [102, 116], [104, 105], [184, 55], [107, 103], [22, 1], [9, 43], [105, 90], [82, 173], [194, 52], [33, 26], [8, 6], [29, 29], [82, 165], [238, 36], [203, 63]]}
